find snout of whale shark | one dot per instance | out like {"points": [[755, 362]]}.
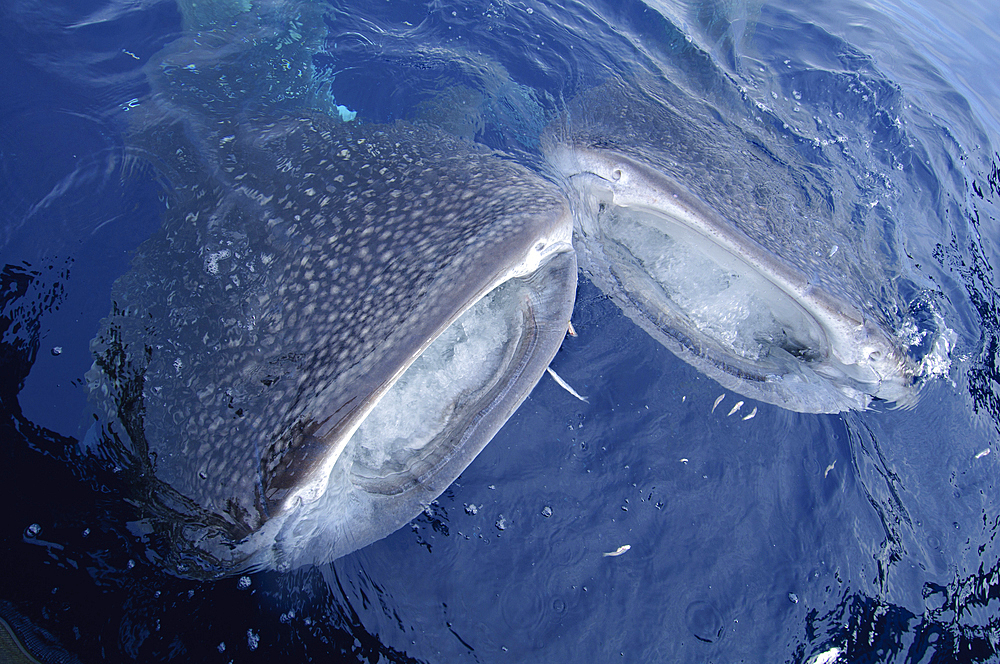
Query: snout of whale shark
{"points": [[717, 298], [330, 325]]}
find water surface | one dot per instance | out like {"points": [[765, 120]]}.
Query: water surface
{"points": [[856, 140]]}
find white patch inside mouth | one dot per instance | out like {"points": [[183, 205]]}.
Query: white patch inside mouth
{"points": [[450, 374], [704, 289]]}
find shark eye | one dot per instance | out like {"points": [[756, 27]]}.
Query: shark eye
{"points": [[616, 174], [875, 355]]}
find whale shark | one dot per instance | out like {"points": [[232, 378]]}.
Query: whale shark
{"points": [[333, 320], [717, 298]]}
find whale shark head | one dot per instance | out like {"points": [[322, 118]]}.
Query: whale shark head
{"points": [[717, 298], [330, 325]]}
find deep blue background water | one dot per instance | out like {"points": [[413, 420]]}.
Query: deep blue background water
{"points": [[770, 539]]}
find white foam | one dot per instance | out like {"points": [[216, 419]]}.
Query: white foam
{"points": [[937, 362], [827, 657], [212, 262]]}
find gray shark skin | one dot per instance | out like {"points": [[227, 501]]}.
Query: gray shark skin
{"points": [[293, 283], [812, 352]]}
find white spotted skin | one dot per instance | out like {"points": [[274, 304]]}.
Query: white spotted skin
{"points": [[287, 290]]}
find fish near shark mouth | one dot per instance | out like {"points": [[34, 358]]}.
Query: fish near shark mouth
{"points": [[458, 384], [465, 383], [430, 423], [719, 300], [322, 335], [445, 402]]}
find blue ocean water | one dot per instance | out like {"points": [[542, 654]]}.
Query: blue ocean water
{"points": [[862, 135]]}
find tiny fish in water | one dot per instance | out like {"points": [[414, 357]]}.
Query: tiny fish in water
{"points": [[563, 384], [619, 551], [718, 401]]}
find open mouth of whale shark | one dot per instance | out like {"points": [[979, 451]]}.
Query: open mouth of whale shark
{"points": [[450, 391], [323, 334], [718, 299], [426, 427]]}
